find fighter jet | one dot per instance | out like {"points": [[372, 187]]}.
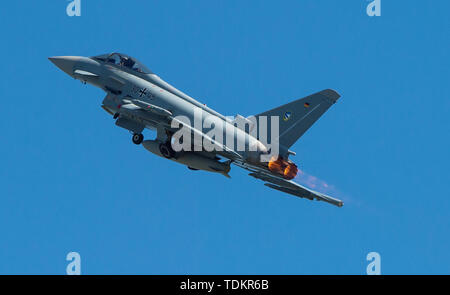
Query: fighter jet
{"points": [[137, 98]]}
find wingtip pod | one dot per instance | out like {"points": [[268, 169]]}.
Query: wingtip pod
{"points": [[328, 199], [338, 203], [333, 95]]}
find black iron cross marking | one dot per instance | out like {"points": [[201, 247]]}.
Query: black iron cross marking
{"points": [[142, 92]]}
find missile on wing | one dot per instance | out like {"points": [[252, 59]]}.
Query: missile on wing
{"points": [[152, 108], [193, 160]]}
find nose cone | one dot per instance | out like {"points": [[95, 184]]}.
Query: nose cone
{"points": [[65, 63]]}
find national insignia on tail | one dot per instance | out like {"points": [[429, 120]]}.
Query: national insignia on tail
{"points": [[287, 116]]}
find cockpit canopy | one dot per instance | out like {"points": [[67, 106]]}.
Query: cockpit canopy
{"points": [[123, 60]]}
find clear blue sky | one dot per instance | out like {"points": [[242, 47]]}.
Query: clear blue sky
{"points": [[72, 181]]}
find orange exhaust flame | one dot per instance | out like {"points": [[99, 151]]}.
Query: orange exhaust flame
{"points": [[287, 169]]}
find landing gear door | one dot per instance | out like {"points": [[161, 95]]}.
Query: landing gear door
{"points": [[130, 125]]}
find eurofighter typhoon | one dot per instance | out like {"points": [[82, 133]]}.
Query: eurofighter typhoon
{"points": [[190, 133]]}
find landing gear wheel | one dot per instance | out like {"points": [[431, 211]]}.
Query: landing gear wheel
{"points": [[137, 138], [166, 150]]}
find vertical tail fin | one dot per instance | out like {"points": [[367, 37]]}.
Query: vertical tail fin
{"points": [[296, 117]]}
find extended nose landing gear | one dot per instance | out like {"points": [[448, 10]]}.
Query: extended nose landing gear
{"points": [[137, 138]]}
